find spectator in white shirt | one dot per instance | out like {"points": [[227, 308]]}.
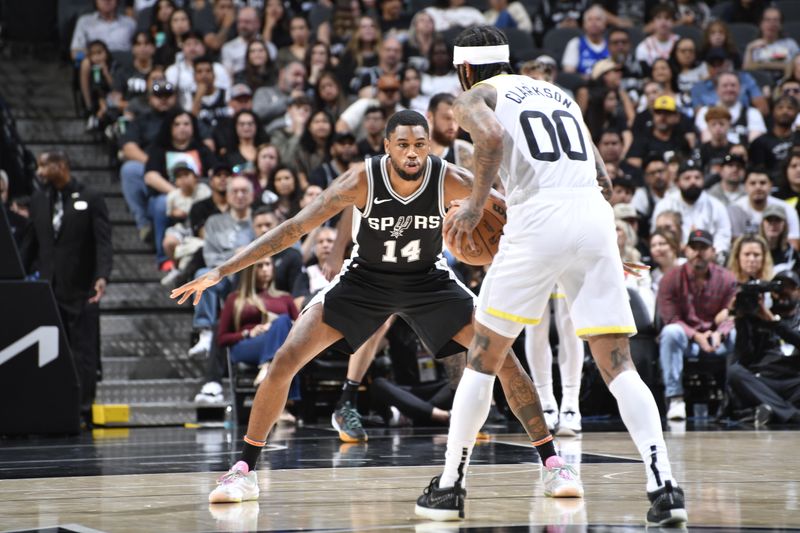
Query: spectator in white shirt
{"points": [[699, 209], [746, 123], [181, 73], [660, 43]]}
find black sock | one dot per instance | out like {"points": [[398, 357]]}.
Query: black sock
{"points": [[349, 393], [250, 455], [546, 450]]}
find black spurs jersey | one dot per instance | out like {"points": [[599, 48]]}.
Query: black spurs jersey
{"points": [[396, 233]]}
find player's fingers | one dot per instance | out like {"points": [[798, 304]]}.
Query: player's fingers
{"points": [[184, 297], [471, 242], [197, 295]]}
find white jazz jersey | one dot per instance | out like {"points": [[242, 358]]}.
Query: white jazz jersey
{"points": [[545, 143]]}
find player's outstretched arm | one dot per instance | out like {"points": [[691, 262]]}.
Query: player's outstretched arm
{"points": [[347, 190], [474, 112]]}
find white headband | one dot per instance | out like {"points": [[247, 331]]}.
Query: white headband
{"points": [[480, 55]]}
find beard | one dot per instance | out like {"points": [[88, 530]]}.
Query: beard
{"points": [[405, 175], [442, 138]]}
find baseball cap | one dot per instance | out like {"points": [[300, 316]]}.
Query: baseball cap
{"points": [[716, 53], [221, 167], [701, 236], [788, 275], [388, 82], [603, 67], [182, 165], [163, 88], [774, 210], [665, 103], [689, 164], [734, 159], [343, 137], [625, 211], [240, 89]]}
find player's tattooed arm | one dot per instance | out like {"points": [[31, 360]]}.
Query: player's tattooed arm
{"points": [[347, 190], [474, 112], [603, 180]]}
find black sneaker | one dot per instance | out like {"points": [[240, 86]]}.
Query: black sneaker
{"points": [[441, 504], [667, 507]]}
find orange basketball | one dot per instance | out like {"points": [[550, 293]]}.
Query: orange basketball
{"points": [[486, 234]]}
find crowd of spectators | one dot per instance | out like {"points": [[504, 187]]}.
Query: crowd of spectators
{"points": [[227, 110]]}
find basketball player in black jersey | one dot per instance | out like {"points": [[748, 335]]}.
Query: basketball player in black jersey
{"points": [[395, 268]]}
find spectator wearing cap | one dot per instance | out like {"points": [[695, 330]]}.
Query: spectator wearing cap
{"points": [[718, 61], [241, 99], [104, 24], [772, 51], [772, 149], [583, 52], [619, 50], [730, 187], [390, 62], [234, 51], [388, 99], [182, 75], [343, 153], [697, 207], [374, 126], [179, 244], [665, 135], [775, 231], [504, 14], [763, 375], [746, 212], [543, 68], [139, 137], [271, 103], [692, 302], [746, 122], [718, 145], [177, 140], [444, 133], [660, 43]]}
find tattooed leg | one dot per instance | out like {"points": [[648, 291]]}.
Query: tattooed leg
{"points": [[308, 337], [612, 353], [522, 398]]}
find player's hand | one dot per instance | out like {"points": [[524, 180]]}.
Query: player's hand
{"points": [[196, 287], [462, 224], [634, 268]]}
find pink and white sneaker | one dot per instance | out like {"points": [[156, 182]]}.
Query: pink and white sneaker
{"points": [[560, 479], [238, 485]]}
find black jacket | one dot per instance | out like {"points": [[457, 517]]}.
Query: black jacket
{"points": [[81, 254]]}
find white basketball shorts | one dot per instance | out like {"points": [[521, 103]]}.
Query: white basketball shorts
{"points": [[564, 236]]}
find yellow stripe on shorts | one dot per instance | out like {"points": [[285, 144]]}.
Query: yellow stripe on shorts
{"points": [[514, 318], [604, 330]]}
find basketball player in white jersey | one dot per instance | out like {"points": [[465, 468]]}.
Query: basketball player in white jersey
{"points": [[560, 229]]}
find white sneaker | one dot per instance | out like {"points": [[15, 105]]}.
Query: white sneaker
{"points": [[237, 486], [169, 279], [203, 345], [677, 410], [551, 419], [210, 394], [569, 423], [560, 479]]}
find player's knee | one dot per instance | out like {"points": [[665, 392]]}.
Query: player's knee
{"points": [[286, 364]]}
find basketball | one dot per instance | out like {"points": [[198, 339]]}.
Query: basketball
{"points": [[486, 234]]}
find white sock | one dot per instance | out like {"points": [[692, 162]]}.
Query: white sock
{"points": [[640, 415], [540, 360], [570, 357], [470, 409]]}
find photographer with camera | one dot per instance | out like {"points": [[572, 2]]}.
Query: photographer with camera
{"points": [[765, 373], [693, 302]]}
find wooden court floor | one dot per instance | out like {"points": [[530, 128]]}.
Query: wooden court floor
{"points": [[733, 480]]}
